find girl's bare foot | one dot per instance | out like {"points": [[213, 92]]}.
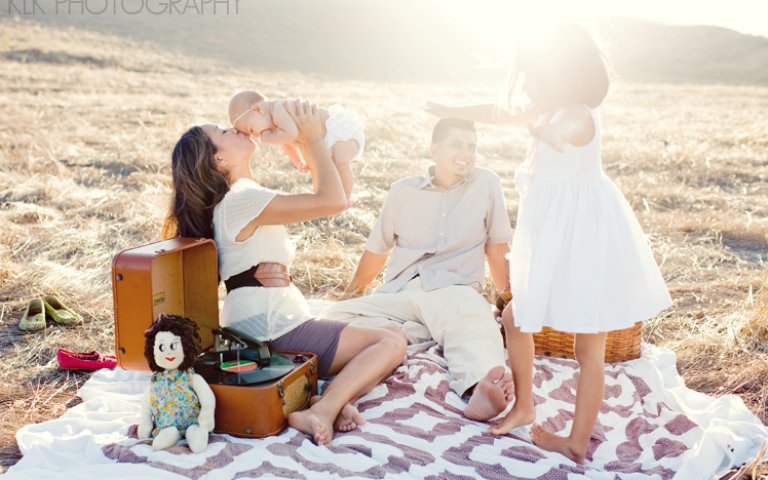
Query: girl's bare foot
{"points": [[311, 423], [556, 443], [491, 395], [519, 415], [349, 419]]}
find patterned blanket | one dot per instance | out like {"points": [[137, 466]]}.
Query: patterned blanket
{"points": [[650, 427]]}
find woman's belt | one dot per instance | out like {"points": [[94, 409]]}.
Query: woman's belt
{"points": [[265, 274]]}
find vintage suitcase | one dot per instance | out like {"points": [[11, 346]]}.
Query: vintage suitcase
{"points": [[180, 277]]}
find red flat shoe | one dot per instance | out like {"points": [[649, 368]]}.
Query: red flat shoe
{"points": [[92, 360]]}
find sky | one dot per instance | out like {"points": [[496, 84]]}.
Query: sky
{"points": [[745, 16]]}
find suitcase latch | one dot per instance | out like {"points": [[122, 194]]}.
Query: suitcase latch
{"points": [[280, 391]]}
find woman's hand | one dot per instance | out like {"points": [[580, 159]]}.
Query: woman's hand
{"points": [[306, 115]]}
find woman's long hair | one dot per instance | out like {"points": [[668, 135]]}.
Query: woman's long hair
{"points": [[197, 187]]}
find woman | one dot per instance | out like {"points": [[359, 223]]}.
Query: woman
{"points": [[215, 197]]}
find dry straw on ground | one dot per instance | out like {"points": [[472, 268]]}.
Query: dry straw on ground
{"points": [[88, 124]]}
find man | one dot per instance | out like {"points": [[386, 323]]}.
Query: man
{"points": [[436, 230]]}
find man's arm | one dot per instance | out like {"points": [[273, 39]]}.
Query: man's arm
{"points": [[496, 253], [368, 268]]}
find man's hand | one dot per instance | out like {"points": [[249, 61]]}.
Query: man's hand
{"points": [[341, 293]]}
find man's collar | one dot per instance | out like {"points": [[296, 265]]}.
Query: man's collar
{"points": [[426, 180]]}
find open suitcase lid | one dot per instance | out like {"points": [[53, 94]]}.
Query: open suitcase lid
{"points": [[177, 276]]}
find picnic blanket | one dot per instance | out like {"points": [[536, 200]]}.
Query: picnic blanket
{"points": [[650, 427]]}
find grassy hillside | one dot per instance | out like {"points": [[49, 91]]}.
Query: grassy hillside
{"points": [[89, 121], [404, 40]]}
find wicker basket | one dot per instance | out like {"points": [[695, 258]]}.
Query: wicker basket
{"points": [[620, 345]]}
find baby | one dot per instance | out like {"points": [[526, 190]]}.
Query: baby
{"points": [[269, 121]]}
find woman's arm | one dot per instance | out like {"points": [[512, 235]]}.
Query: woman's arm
{"points": [[483, 113], [328, 197]]}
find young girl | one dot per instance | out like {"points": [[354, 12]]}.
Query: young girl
{"points": [[579, 260]]}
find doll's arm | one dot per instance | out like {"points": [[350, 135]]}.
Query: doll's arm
{"points": [[145, 418], [285, 130], [206, 419], [483, 113]]}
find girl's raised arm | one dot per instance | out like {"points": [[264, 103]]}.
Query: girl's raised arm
{"points": [[482, 113]]}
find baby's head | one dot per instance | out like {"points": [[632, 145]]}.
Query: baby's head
{"points": [[244, 117]]}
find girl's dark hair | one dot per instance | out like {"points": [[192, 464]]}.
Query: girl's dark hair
{"points": [[197, 186], [569, 67], [183, 328]]}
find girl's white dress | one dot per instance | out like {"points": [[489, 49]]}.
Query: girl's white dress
{"points": [[579, 261]]}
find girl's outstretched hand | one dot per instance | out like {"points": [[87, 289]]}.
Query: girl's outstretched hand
{"points": [[547, 134], [437, 109]]}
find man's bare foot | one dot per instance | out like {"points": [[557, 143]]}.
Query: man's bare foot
{"points": [[309, 422], [517, 417], [349, 419], [556, 443], [491, 395]]}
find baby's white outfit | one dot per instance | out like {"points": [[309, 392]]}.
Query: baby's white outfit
{"points": [[344, 124]]}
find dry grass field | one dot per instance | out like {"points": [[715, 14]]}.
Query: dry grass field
{"points": [[89, 120]]}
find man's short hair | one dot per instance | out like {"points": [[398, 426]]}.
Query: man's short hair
{"points": [[445, 124]]}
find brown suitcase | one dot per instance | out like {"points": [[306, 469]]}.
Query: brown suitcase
{"points": [[180, 277]]}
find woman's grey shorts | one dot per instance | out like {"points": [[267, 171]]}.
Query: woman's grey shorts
{"points": [[320, 337]]}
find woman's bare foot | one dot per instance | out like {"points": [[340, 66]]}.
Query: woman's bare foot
{"points": [[556, 443], [491, 395], [349, 419], [519, 415], [311, 423]]}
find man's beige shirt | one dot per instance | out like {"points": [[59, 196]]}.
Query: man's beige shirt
{"points": [[440, 234]]}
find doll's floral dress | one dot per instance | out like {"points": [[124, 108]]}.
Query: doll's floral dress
{"points": [[174, 402]]}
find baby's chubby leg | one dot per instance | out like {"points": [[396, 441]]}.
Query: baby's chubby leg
{"points": [[342, 154]]}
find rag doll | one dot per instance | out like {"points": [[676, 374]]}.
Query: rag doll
{"points": [[179, 402]]}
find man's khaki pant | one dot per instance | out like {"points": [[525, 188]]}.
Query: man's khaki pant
{"points": [[456, 317]]}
